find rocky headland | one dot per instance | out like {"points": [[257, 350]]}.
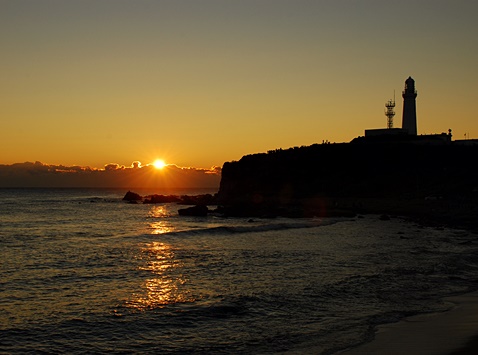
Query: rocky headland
{"points": [[432, 183]]}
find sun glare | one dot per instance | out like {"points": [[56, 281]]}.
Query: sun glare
{"points": [[159, 164]]}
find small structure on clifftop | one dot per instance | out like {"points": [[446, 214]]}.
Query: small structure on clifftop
{"points": [[408, 132], [389, 112]]}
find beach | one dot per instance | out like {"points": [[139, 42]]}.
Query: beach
{"points": [[452, 332]]}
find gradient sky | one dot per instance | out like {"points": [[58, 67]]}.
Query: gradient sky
{"points": [[201, 82]]}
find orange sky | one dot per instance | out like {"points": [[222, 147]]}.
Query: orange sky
{"points": [[136, 176], [198, 83]]}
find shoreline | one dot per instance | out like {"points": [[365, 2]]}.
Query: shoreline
{"points": [[456, 212], [453, 332]]}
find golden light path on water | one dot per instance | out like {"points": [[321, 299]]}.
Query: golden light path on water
{"points": [[162, 226], [165, 286]]}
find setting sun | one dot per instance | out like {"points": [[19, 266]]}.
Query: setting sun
{"points": [[159, 164]]}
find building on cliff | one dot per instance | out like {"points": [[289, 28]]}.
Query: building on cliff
{"points": [[393, 164], [408, 132]]}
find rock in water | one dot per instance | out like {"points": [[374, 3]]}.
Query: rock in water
{"points": [[132, 196], [198, 211]]}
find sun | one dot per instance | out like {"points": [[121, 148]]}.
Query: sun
{"points": [[159, 164]]}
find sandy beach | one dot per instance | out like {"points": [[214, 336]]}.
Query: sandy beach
{"points": [[452, 332]]}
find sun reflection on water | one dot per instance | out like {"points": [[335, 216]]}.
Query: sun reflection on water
{"points": [[163, 226], [167, 284], [159, 211]]}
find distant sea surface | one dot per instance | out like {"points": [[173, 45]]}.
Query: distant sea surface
{"points": [[83, 272]]}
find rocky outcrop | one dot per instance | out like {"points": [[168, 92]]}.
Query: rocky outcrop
{"points": [[311, 180], [132, 197], [200, 201], [206, 199], [197, 211]]}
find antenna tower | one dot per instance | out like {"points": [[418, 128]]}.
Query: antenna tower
{"points": [[389, 112]]}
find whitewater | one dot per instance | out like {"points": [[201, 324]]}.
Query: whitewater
{"points": [[81, 271]]}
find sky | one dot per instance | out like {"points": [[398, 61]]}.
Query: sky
{"points": [[201, 82]]}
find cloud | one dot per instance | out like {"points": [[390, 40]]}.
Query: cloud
{"points": [[113, 166], [113, 175]]}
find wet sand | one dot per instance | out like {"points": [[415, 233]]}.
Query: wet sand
{"points": [[452, 332]]}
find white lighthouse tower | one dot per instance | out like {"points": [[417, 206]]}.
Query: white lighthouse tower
{"points": [[409, 118]]}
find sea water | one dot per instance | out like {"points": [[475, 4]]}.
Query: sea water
{"points": [[81, 271]]}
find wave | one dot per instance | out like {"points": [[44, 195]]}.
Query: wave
{"points": [[254, 226]]}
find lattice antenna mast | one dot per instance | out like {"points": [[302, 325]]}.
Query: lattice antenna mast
{"points": [[389, 112]]}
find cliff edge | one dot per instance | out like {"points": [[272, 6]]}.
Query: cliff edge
{"points": [[331, 179]]}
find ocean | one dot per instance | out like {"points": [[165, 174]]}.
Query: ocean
{"points": [[81, 271]]}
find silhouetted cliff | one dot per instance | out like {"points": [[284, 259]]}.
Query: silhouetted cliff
{"points": [[284, 179]]}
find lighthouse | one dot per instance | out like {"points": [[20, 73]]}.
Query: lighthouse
{"points": [[409, 118]]}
